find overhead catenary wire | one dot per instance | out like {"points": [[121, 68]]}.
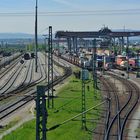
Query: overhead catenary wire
{"points": [[75, 13], [74, 117]]}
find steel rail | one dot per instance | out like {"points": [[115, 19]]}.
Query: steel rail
{"points": [[107, 84], [130, 109], [68, 72], [12, 78], [130, 87], [5, 71]]}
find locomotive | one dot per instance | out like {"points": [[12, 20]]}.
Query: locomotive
{"points": [[26, 56]]}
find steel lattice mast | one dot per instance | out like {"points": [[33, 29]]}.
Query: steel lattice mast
{"points": [[50, 70], [41, 114]]}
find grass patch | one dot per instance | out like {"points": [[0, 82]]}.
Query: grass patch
{"points": [[67, 105], [11, 124], [137, 132]]}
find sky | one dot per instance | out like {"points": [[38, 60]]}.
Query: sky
{"points": [[70, 15]]}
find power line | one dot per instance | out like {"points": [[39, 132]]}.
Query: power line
{"points": [[44, 15], [76, 13]]}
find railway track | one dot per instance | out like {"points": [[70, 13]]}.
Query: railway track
{"points": [[26, 79], [116, 123], [128, 105], [29, 95], [8, 86], [26, 83], [11, 66], [112, 110], [119, 109], [10, 81], [25, 89], [112, 106]]}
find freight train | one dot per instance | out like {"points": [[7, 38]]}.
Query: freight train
{"points": [[123, 61], [84, 61], [102, 61]]}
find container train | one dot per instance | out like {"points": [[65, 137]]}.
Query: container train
{"points": [[123, 61], [103, 61]]}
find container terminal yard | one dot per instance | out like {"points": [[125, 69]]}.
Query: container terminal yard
{"points": [[71, 84]]}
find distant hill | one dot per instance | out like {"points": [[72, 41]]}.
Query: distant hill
{"points": [[16, 36], [125, 30]]}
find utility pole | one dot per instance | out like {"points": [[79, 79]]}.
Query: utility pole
{"points": [[46, 58], [50, 71], [36, 39]]}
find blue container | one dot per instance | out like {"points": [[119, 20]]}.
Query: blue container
{"points": [[99, 57]]}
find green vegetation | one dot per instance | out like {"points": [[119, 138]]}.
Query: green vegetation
{"points": [[67, 105], [41, 47], [31, 47], [12, 47], [137, 132], [12, 123]]}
